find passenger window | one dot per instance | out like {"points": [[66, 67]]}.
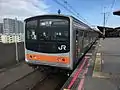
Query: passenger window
{"points": [[77, 34]]}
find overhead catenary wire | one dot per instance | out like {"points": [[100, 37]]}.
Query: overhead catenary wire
{"points": [[64, 7], [70, 6], [71, 10], [112, 5]]}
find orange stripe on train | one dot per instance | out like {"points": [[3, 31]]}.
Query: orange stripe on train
{"points": [[48, 58]]}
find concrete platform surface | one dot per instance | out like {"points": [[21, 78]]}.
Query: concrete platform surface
{"points": [[110, 58], [110, 50], [98, 84]]}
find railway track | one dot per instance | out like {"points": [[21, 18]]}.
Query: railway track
{"points": [[28, 81], [54, 81], [38, 79], [7, 68]]}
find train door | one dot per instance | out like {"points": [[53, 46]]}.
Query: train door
{"points": [[77, 44], [85, 40], [80, 42]]}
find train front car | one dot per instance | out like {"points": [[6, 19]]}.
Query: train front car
{"points": [[47, 41]]}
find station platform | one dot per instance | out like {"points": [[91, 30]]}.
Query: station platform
{"points": [[77, 78], [103, 69], [107, 65]]}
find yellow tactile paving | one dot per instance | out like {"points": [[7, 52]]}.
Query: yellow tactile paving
{"points": [[97, 66], [97, 72]]}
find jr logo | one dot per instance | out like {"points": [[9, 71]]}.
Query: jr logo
{"points": [[63, 47]]}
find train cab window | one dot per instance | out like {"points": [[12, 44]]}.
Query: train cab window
{"points": [[31, 34], [31, 24], [60, 35], [31, 27], [55, 29]]}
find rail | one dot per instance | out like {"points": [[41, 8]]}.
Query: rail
{"points": [[81, 69]]}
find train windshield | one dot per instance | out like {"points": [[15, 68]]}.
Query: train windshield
{"points": [[31, 30], [48, 30], [53, 29], [48, 34]]}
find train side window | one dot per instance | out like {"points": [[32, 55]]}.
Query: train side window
{"points": [[81, 34], [77, 34]]}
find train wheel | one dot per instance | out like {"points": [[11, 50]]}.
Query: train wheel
{"points": [[68, 74], [32, 66]]}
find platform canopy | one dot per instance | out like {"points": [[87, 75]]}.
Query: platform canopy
{"points": [[101, 28], [116, 12], [110, 32], [117, 28]]}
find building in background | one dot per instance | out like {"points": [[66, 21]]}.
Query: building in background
{"points": [[8, 26], [12, 26], [0, 38], [12, 31], [11, 38], [1, 28]]}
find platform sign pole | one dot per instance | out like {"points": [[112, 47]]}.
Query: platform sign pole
{"points": [[104, 25], [16, 28]]}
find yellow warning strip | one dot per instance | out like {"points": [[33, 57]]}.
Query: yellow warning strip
{"points": [[98, 63], [97, 68]]}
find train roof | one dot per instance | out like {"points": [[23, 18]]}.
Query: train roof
{"points": [[74, 19], [97, 30], [80, 22], [46, 15]]}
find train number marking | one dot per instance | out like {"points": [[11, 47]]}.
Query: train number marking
{"points": [[63, 47]]}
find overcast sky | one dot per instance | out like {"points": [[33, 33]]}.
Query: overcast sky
{"points": [[91, 10], [22, 8]]}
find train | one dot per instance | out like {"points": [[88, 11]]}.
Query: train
{"points": [[57, 40]]}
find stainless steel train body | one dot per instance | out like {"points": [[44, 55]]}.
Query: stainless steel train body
{"points": [[56, 40]]}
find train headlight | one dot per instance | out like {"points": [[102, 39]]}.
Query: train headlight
{"points": [[61, 59], [34, 56], [31, 56]]}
